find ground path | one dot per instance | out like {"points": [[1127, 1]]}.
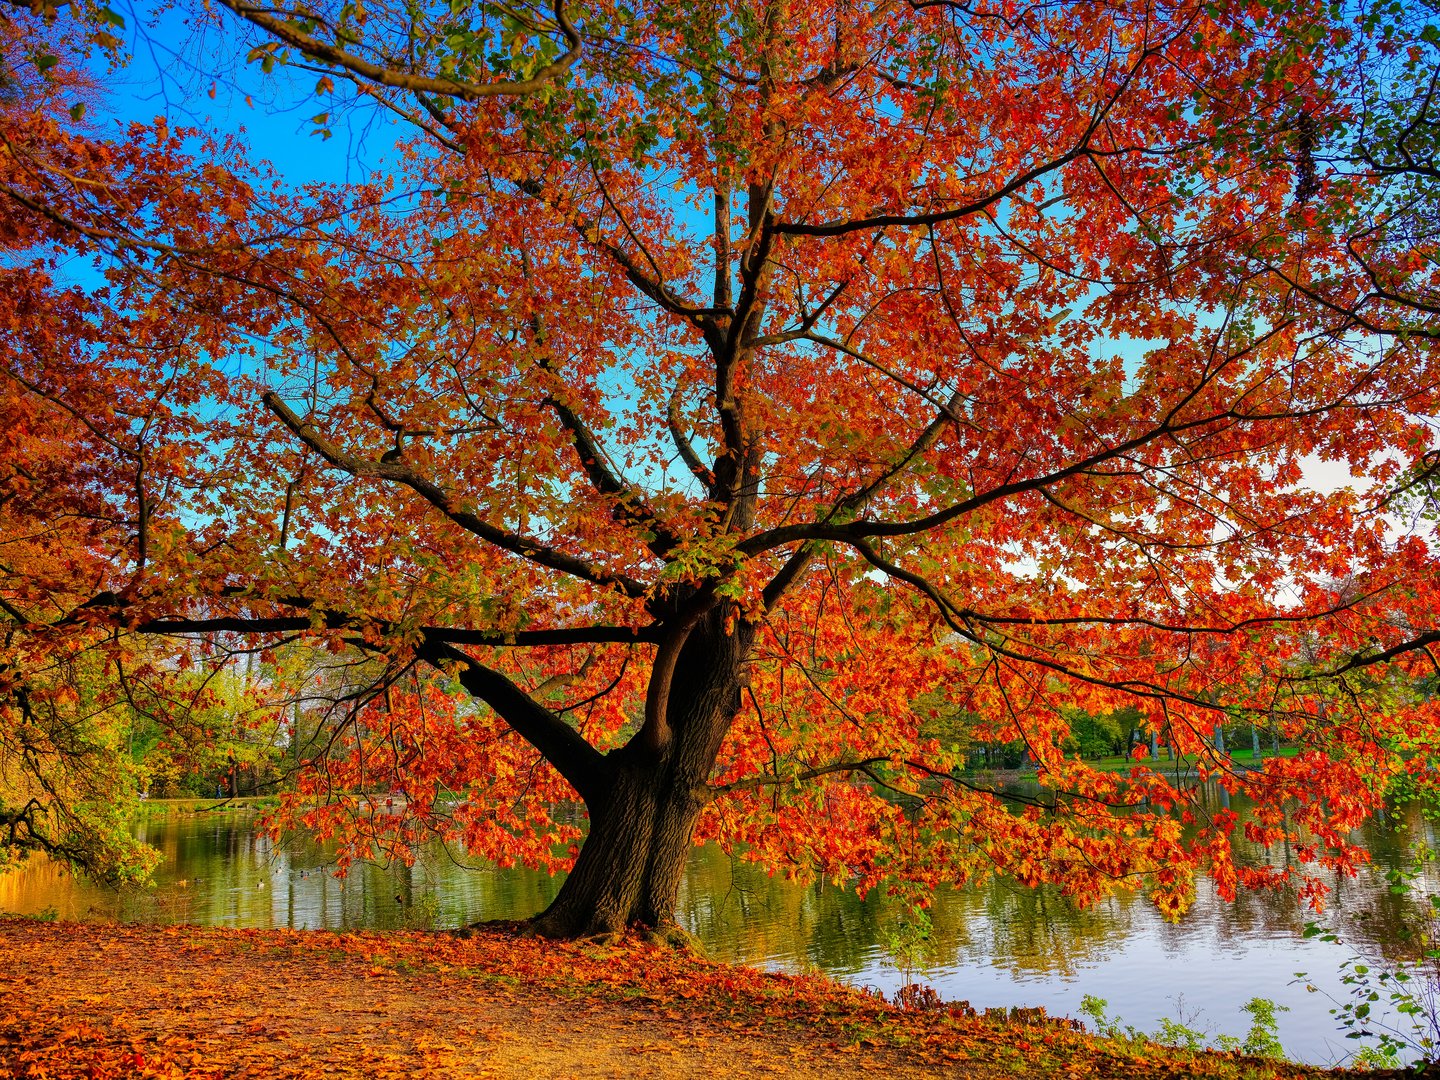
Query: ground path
{"points": [[79, 1000]]}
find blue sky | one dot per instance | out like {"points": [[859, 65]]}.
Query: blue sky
{"points": [[173, 69]]}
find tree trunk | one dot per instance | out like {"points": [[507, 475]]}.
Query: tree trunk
{"points": [[643, 819], [629, 868]]}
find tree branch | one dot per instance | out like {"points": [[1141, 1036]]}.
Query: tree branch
{"points": [[796, 564], [1169, 426], [458, 512], [630, 506], [582, 766], [331, 620], [292, 34], [688, 455], [1015, 183], [1359, 660]]}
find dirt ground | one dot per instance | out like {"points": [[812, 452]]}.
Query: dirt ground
{"points": [[94, 1001], [113, 992]]}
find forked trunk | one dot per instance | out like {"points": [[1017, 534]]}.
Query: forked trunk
{"points": [[642, 822], [629, 868]]}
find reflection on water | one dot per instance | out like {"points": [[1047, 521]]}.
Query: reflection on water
{"points": [[994, 944]]}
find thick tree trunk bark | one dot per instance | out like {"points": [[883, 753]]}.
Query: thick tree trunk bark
{"points": [[629, 868], [642, 821]]}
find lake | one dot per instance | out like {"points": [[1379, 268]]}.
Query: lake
{"points": [[995, 944]]}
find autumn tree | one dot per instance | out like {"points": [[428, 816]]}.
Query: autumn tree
{"points": [[65, 778], [1378, 142], [710, 406]]}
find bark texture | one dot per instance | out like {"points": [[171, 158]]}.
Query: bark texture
{"points": [[643, 815]]}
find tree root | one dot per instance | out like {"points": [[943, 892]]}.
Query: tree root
{"points": [[669, 936]]}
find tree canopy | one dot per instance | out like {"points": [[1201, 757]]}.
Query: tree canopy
{"points": [[724, 415]]}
